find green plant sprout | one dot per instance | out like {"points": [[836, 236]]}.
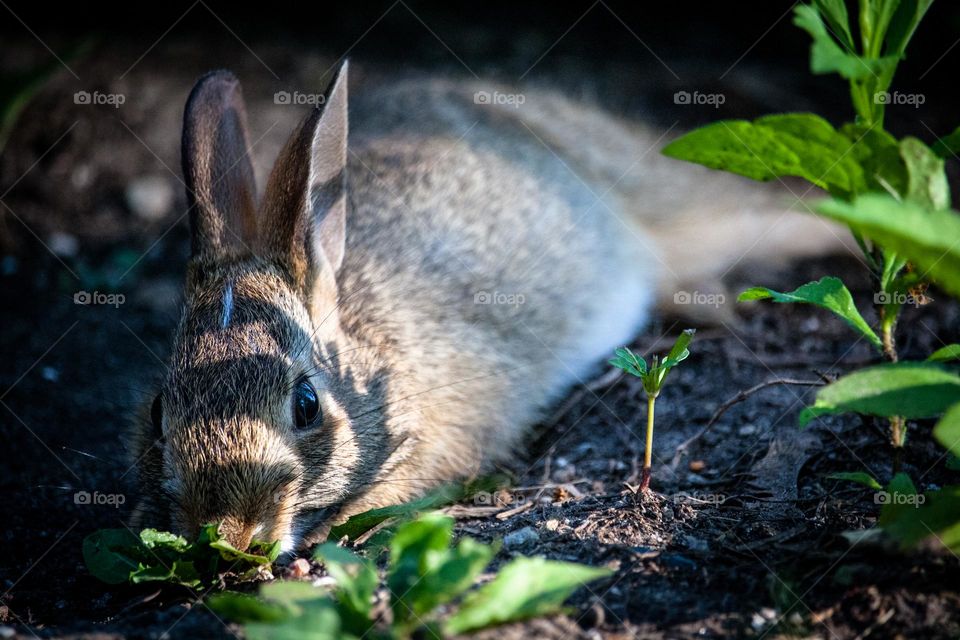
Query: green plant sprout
{"points": [[426, 577], [116, 556], [652, 378], [873, 178]]}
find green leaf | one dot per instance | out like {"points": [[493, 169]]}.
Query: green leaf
{"points": [[878, 153], [945, 354], [525, 588], [927, 238], [629, 362], [425, 572], [826, 56], [908, 15], [110, 554], [359, 524], [927, 180], [356, 581], [828, 293], [948, 145], [317, 620], [908, 389], [231, 554], [798, 144], [679, 352], [835, 12], [181, 572], [947, 431], [244, 608], [860, 477], [932, 516]]}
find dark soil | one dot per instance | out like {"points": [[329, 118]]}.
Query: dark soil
{"points": [[741, 538]]}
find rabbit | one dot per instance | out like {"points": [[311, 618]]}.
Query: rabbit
{"points": [[396, 311]]}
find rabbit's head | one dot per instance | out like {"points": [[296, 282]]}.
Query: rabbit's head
{"points": [[250, 429]]}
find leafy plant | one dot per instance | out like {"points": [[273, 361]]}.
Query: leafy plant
{"points": [[116, 556], [427, 577], [894, 197], [892, 194], [652, 378]]}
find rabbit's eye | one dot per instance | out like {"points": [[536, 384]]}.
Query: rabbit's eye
{"points": [[156, 417], [306, 406]]}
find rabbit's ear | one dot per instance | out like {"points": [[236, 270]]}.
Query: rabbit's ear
{"points": [[303, 216], [221, 190]]}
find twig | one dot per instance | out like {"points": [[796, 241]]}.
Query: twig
{"points": [[740, 397]]}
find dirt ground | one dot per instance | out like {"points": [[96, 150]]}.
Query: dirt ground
{"points": [[742, 536]]}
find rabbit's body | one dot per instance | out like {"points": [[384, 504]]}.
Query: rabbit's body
{"points": [[483, 275], [394, 316]]}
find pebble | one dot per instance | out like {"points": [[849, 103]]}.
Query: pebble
{"points": [[696, 544], [7, 632], [149, 197], [63, 244], [552, 525], [298, 568], [521, 538], [747, 430]]}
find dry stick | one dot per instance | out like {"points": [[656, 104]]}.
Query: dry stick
{"points": [[740, 397]]}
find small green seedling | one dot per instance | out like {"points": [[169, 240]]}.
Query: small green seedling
{"points": [[116, 556], [429, 590], [652, 377]]}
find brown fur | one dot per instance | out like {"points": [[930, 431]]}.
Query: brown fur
{"points": [[366, 271]]}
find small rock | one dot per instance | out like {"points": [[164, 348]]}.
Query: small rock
{"points": [[149, 197], [7, 632], [520, 538], [667, 515], [697, 466], [298, 568], [552, 525], [63, 244], [747, 430], [696, 544], [81, 177]]}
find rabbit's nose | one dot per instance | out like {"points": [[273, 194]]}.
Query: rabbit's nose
{"points": [[237, 532]]}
